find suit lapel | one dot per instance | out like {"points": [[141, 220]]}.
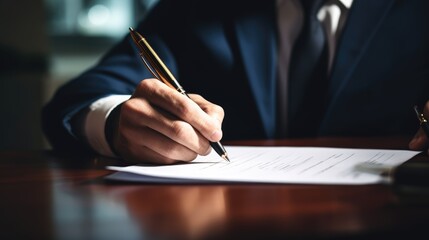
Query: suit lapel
{"points": [[258, 28], [364, 19], [256, 37]]}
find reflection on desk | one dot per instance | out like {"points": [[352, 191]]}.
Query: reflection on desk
{"points": [[45, 195]]}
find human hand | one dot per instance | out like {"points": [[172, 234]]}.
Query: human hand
{"points": [[160, 125], [420, 139]]}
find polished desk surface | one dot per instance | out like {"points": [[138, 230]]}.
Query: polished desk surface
{"points": [[46, 195]]}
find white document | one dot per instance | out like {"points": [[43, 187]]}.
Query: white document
{"points": [[294, 165]]}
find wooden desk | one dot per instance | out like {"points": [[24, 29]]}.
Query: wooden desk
{"points": [[47, 196]]}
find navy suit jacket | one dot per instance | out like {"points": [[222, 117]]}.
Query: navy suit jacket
{"points": [[227, 52]]}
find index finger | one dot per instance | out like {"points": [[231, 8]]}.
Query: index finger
{"points": [[183, 107]]}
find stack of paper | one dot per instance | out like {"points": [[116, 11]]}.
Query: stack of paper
{"points": [[295, 165]]}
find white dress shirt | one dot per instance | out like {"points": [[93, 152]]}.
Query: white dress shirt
{"points": [[290, 17], [332, 15]]}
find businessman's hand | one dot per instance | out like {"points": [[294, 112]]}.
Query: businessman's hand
{"points": [[160, 125], [420, 140]]}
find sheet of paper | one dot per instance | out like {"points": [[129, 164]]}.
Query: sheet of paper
{"points": [[297, 165]]}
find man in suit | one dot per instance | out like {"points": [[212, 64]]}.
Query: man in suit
{"points": [[372, 68]]}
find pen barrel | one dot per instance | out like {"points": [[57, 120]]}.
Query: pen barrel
{"points": [[182, 91], [219, 149], [162, 72]]}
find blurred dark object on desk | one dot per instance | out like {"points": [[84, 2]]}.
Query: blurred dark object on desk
{"points": [[411, 180]]}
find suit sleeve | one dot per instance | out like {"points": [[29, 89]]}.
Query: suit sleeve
{"points": [[117, 73]]}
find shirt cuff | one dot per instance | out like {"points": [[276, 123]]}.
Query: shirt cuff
{"points": [[95, 123]]}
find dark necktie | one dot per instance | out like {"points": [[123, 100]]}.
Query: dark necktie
{"points": [[308, 74]]}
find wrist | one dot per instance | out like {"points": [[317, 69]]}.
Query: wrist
{"points": [[96, 120], [111, 128]]}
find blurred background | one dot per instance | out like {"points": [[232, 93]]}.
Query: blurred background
{"points": [[43, 44]]}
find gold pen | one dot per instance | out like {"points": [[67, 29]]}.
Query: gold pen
{"points": [[423, 121], [158, 69]]}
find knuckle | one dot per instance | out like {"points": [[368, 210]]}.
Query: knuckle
{"points": [[172, 152], [197, 97], [179, 129], [129, 110], [204, 149], [183, 109], [133, 104], [127, 106], [219, 110], [146, 83], [146, 86]]}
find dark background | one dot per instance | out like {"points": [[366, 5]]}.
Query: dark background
{"points": [[44, 43]]}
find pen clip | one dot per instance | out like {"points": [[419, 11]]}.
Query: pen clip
{"points": [[148, 66], [420, 115]]}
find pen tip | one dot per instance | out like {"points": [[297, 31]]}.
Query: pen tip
{"points": [[131, 29], [225, 156]]}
